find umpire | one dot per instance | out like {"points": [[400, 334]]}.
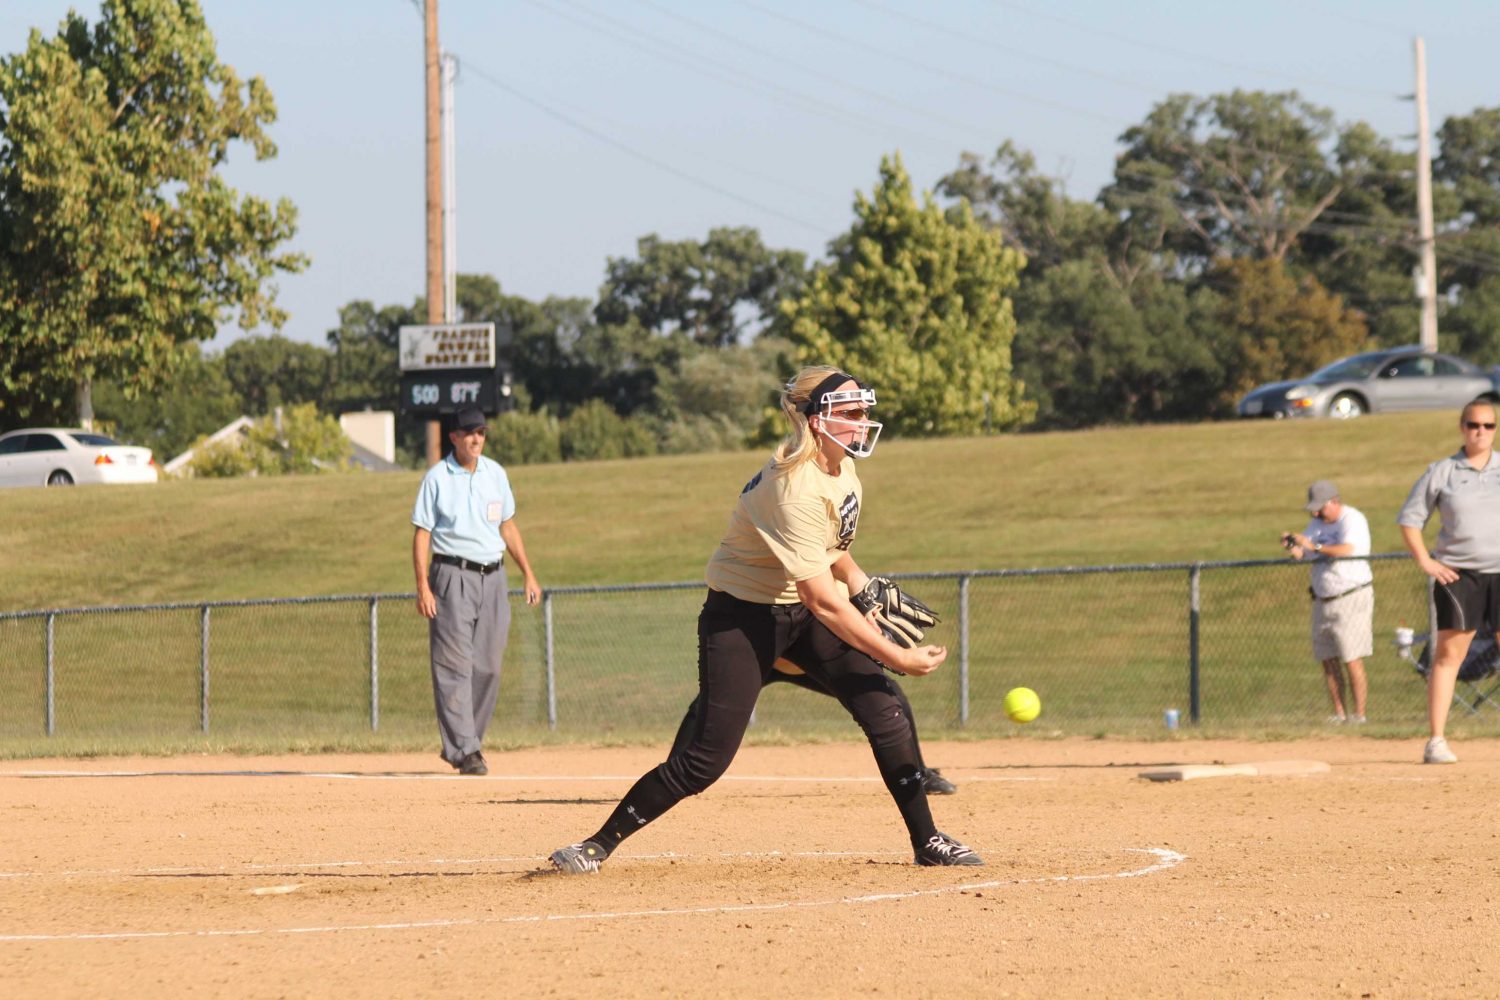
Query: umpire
{"points": [[465, 525]]}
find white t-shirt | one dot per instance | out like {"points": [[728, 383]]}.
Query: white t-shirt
{"points": [[1332, 577]]}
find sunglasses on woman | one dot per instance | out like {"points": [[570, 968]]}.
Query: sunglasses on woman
{"points": [[1475, 425]]}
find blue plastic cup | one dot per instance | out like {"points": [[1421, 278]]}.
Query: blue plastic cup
{"points": [[1172, 717]]}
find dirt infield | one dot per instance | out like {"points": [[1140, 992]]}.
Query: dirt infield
{"points": [[386, 876]]}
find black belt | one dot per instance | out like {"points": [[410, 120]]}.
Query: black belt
{"points": [[1351, 590], [480, 568]]}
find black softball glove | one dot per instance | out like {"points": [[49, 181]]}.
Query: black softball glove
{"points": [[902, 618]]}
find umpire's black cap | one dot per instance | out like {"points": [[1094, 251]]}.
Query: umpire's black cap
{"points": [[470, 418]]}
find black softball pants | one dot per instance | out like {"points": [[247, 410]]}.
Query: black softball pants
{"points": [[738, 642]]}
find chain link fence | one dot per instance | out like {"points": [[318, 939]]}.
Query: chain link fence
{"points": [[1108, 648]]}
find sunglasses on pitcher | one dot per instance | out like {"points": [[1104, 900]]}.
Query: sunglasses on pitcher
{"points": [[1475, 425]]}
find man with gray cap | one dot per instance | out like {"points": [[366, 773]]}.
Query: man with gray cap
{"points": [[1343, 595], [465, 526]]}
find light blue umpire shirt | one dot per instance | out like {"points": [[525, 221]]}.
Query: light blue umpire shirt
{"points": [[464, 510]]}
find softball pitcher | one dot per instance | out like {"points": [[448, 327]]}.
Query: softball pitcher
{"points": [[779, 585]]}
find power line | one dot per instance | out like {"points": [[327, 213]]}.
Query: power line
{"points": [[801, 67], [1197, 56], [631, 151], [737, 78], [1017, 52], [926, 67]]}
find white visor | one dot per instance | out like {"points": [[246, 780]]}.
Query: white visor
{"points": [[867, 431]]}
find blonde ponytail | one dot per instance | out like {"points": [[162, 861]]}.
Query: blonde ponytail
{"points": [[800, 445]]}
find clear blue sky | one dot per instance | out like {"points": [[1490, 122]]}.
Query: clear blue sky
{"points": [[585, 124]]}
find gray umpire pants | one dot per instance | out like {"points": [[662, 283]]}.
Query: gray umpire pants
{"points": [[467, 643]]}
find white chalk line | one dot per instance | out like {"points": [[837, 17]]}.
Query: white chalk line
{"points": [[255, 868], [1165, 859], [473, 778]]}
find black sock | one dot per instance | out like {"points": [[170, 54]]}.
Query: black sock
{"points": [[903, 779], [647, 799]]}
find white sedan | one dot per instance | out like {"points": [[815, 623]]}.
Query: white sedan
{"points": [[59, 456]]}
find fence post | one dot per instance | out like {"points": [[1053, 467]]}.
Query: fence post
{"points": [[963, 649], [203, 667], [1195, 576], [51, 696], [374, 664], [550, 664]]}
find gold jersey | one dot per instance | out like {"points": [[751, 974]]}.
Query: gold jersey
{"points": [[789, 525]]}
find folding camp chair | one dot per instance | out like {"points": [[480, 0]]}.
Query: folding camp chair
{"points": [[1478, 676]]}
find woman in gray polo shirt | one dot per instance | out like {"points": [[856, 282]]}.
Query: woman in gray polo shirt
{"points": [[1464, 489]]}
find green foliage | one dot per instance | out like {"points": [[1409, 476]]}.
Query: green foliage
{"points": [[198, 401], [524, 437], [267, 372], [297, 440], [1237, 174], [916, 304], [1269, 323], [594, 430], [227, 459], [119, 240], [1104, 333], [1365, 252], [715, 292], [1030, 212], [1472, 328], [305, 441], [1093, 352]]}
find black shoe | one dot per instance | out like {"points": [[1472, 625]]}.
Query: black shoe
{"points": [[942, 849], [933, 783], [473, 764]]}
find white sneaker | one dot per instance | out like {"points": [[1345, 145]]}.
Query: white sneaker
{"points": [[1334, 720], [1356, 720], [578, 859], [1437, 752]]}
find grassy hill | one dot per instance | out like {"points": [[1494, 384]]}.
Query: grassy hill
{"points": [[1152, 494]]}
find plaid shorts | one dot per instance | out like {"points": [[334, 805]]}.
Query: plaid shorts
{"points": [[1343, 628]]}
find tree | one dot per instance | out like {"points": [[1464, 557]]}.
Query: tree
{"points": [[1472, 327], [365, 369], [1093, 352], [198, 401], [1031, 212], [718, 292], [715, 399], [593, 430], [1367, 245], [119, 240], [1468, 249], [1269, 324], [1237, 174], [917, 304], [298, 440], [268, 372]]}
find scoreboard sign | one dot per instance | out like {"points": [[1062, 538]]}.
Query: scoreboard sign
{"points": [[438, 392], [447, 346]]}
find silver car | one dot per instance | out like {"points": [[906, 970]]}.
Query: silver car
{"points": [[1400, 378]]}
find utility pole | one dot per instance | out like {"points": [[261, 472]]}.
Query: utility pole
{"points": [[1427, 273], [435, 296], [450, 194]]}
